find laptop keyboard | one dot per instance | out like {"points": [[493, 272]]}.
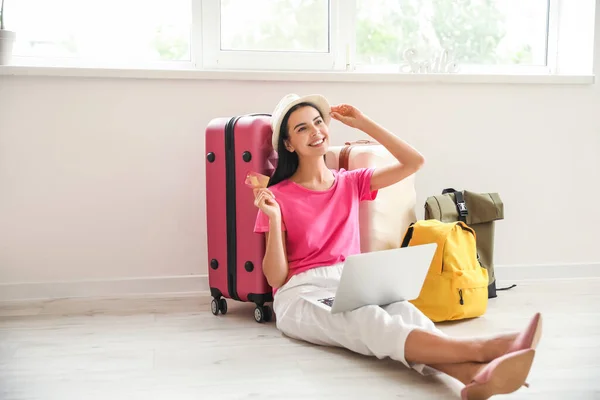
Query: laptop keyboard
{"points": [[327, 301]]}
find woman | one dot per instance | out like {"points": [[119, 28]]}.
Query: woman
{"points": [[309, 215]]}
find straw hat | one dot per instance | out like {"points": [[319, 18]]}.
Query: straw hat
{"points": [[289, 101]]}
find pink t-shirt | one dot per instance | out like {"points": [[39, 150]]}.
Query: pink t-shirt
{"points": [[321, 226]]}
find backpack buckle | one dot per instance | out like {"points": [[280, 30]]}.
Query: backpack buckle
{"points": [[462, 209]]}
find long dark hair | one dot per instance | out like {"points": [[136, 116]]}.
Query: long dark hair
{"points": [[288, 161]]}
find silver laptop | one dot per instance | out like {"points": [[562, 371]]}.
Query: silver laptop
{"points": [[377, 278]]}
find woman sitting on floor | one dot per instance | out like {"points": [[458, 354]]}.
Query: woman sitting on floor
{"points": [[309, 215]]}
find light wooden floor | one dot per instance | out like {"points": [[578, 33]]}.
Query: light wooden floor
{"points": [[174, 348]]}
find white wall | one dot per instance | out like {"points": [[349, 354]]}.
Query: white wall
{"points": [[104, 178]]}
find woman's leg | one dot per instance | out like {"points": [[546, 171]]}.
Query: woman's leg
{"points": [[427, 348], [428, 345], [369, 330], [399, 331]]}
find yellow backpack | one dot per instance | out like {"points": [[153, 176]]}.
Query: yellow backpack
{"points": [[456, 284]]}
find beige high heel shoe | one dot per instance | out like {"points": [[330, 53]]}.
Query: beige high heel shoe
{"points": [[504, 375]]}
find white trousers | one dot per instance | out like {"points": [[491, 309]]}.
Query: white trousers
{"points": [[370, 330]]}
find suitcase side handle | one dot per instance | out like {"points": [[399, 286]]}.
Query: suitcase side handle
{"points": [[344, 160], [361, 142]]}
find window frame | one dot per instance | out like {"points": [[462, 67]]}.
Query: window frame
{"points": [[552, 36], [205, 54], [213, 57], [475, 69], [343, 48]]}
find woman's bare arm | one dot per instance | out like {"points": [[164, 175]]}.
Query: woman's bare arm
{"points": [[409, 159], [275, 265]]}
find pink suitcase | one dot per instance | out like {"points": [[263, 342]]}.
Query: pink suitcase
{"points": [[234, 147]]}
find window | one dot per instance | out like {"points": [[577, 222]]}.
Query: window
{"points": [[101, 31], [269, 34], [474, 32], [275, 25], [488, 36]]}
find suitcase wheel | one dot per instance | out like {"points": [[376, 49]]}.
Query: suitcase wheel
{"points": [[217, 305], [263, 314], [223, 306]]}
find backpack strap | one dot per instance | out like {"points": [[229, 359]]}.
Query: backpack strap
{"points": [[408, 236], [459, 200]]}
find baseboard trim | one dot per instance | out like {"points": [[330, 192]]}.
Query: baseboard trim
{"points": [[121, 287], [177, 285], [508, 274]]}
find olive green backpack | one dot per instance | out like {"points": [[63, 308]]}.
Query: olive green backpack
{"points": [[477, 210]]}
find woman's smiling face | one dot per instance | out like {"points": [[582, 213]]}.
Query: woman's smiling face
{"points": [[308, 133]]}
